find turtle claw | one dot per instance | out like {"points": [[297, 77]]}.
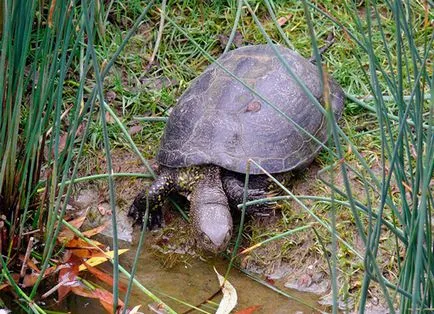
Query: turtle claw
{"points": [[137, 213], [155, 219]]}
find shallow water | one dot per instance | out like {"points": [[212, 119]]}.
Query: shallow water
{"points": [[194, 283], [192, 280]]}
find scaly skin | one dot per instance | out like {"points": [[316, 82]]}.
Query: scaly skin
{"points": [[211, 195], [210, 213]]}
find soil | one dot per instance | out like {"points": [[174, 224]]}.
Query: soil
{"points": [[293, 263]]}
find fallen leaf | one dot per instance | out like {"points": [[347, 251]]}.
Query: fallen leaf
{"points": [[284, 19], [157, 308], [66, 233], [32, 265], [108, 118], [94, 261], [107, 278], [67, 278], [80, 243], [86, 252], [135, 129], [249, 310], [230, 298], [106, 299], [134, 310], [82, 249], [94, 231], [80, 129], [62, 141], [83, 291], [29, 279], [29, 263]]}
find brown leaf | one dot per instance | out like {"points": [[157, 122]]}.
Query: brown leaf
{"points": [[106, 299], [86, 252], [62, 141], [104, 277], [50, 13], [80, 129], [284, 19], [29, 280], [82, 249], [249, 310], [81, 244], [52, 269], [94, 231], [135, 129], [31, 264], [83, 291], [66, 233], [108, 118], [77, 222]]}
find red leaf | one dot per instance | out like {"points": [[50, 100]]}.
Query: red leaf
{"points": [[108, 279], [284, 19], [29, 280], [83, 291], [82, 249], [68, 277], [249, 310], [106, 299], [62, 292]]}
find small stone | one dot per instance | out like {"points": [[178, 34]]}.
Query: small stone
{"points": [[110, 96]]}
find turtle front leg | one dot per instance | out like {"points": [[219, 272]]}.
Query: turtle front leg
{"points": [[159, 190], [234, 189]]}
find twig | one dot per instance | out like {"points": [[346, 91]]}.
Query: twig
{"points": [[26, 257], [55, 288]]}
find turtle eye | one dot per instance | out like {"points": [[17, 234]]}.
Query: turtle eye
{"points": [[206, 240]]}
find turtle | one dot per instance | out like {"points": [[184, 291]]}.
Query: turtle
{"points": [[218, 124]]}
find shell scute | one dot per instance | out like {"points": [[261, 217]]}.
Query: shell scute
{"points": [[219, 121]]}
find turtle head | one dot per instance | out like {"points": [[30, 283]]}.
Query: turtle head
{"points": [[211, 219]]}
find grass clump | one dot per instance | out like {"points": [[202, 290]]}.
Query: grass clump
{"points": [[375, 189]]}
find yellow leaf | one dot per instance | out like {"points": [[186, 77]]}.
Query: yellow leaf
{"points": [[94, 261]]}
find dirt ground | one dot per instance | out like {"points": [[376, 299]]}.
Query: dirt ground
{"points": [[293, 262]]}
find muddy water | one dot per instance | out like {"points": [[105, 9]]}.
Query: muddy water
{"points": [[194, 282]]}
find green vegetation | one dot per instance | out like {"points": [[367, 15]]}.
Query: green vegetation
{"points": [[59, 60]]}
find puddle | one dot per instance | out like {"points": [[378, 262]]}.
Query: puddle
{"points": [[194, 282], [189, 278]]}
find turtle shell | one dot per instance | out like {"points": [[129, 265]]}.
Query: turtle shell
{"points": [[219, 121]]}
